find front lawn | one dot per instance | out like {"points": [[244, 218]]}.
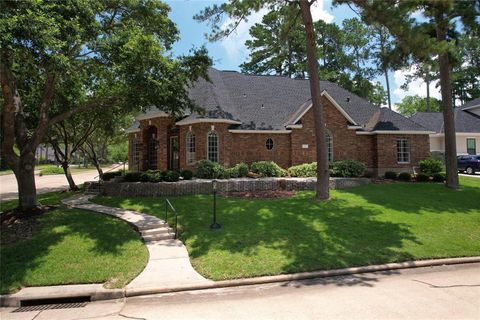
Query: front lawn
{"points": [[360, 226], [69, 246]]}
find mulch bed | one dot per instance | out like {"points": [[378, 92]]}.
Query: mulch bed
{"points": [[270, 194], [16, 225]]}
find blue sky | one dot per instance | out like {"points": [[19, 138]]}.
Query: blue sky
{"points": [[229, 53]]}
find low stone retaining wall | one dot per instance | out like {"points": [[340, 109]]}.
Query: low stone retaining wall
{"points": [[203, 186]]}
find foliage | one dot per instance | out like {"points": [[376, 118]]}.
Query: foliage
{"points": [[422, 177], [51, 169], [186, 174], [210, 170], [405, 176], [171, 176], [238, 170], [347, 168], [410, 105], [438, 177], [118, 152], [133, 176], [267, 169], [465, 79], [375, 224], [112, 174], [61, 58], [304, 170], [391, 175], [431, 166]]}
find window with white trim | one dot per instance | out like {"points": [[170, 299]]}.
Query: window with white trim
{"points": [[403, 150], [190, 148], [328, 140], [269, 144], [471, 146], [212, 146]]}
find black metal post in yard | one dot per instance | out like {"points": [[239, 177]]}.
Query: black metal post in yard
{"points": [[215, 225]]}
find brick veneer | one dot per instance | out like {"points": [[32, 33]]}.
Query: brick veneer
{"points": [[378, 152]]}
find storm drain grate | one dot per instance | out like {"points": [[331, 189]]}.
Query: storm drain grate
{"points": [[50, 304], [42, 307]]}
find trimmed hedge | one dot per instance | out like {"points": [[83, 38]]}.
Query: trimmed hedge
{"points": [[347, 168], [210, 170], [391, 175], [110, 175], [267, 169], [304, 170], [132, 176], [422, 177], [170, 176], [438, 177], [405, 176], [186, 174], [430, 166]]}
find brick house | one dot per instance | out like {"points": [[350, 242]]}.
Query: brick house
{"points": [[250, 118]]}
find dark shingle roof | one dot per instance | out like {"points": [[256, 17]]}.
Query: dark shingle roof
{"points": [[272, 102], [473, 103], [391, 121], [464, 121]]}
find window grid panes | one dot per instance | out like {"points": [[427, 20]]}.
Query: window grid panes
{"points": [[269, 144], [136, 149], [471, 147], [212, 146], [403, 150], [190, 148], [328, 139]]}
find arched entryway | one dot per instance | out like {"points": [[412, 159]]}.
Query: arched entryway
{"points": [[151, 143]]}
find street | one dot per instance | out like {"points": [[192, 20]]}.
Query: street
{"points": [[46, 183], [446, 292]]}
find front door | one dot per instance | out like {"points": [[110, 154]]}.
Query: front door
{"points": [[152, 153], [174, 156]]}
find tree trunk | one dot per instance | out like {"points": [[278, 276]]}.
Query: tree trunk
{"points": [[27, 191], [388, 89], [68, 175], [448, 117], [321, 145], [427, 81]]}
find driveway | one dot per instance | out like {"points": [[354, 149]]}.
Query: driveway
{"points": [[47, 183]]}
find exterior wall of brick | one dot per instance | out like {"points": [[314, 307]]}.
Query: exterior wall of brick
{"points": [[163, 126], [386, 149]]}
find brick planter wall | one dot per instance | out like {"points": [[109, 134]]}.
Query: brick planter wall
{"points": [[202, 186]]}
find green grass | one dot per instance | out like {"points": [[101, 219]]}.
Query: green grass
{"points": [[71, 246], [358, 226], [50, 198]]}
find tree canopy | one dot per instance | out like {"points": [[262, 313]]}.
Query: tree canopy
{"points": [[410, 105]]}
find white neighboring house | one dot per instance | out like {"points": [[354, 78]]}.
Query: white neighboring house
{"points": [[467, 127]]}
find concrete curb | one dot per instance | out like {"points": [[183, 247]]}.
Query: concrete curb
{"points": [[303, 276], [96, 294]]}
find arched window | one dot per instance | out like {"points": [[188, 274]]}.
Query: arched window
{"points": [[328, 140], [190, 147], [212, 146], [269, 144]]}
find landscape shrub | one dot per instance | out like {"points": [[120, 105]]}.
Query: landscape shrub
{"points": [[391, 175], [51, 170], [267, 169], [170, 176], [232, 172], [210, 170], [430, 166], [151, 176], [238, 170], [186, 174], [110, 175], [422, 177], [405, 176], [304, 170], [133, 176], [438, 177], [347, 168]]}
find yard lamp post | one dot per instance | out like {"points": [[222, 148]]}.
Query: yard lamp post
{"points": [[214, 225]]}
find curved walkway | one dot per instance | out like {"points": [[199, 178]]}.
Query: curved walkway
{"points": [[168, 262]]}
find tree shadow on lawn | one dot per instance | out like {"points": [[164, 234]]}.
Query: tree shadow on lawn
{"points": [[419, 197], [107, 234], [287, 235]]}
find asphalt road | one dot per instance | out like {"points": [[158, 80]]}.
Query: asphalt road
{"points": [[47, 183], [446, 292]]}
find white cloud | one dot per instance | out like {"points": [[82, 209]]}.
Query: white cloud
{"points": [[416, 87], [234, 44]]}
